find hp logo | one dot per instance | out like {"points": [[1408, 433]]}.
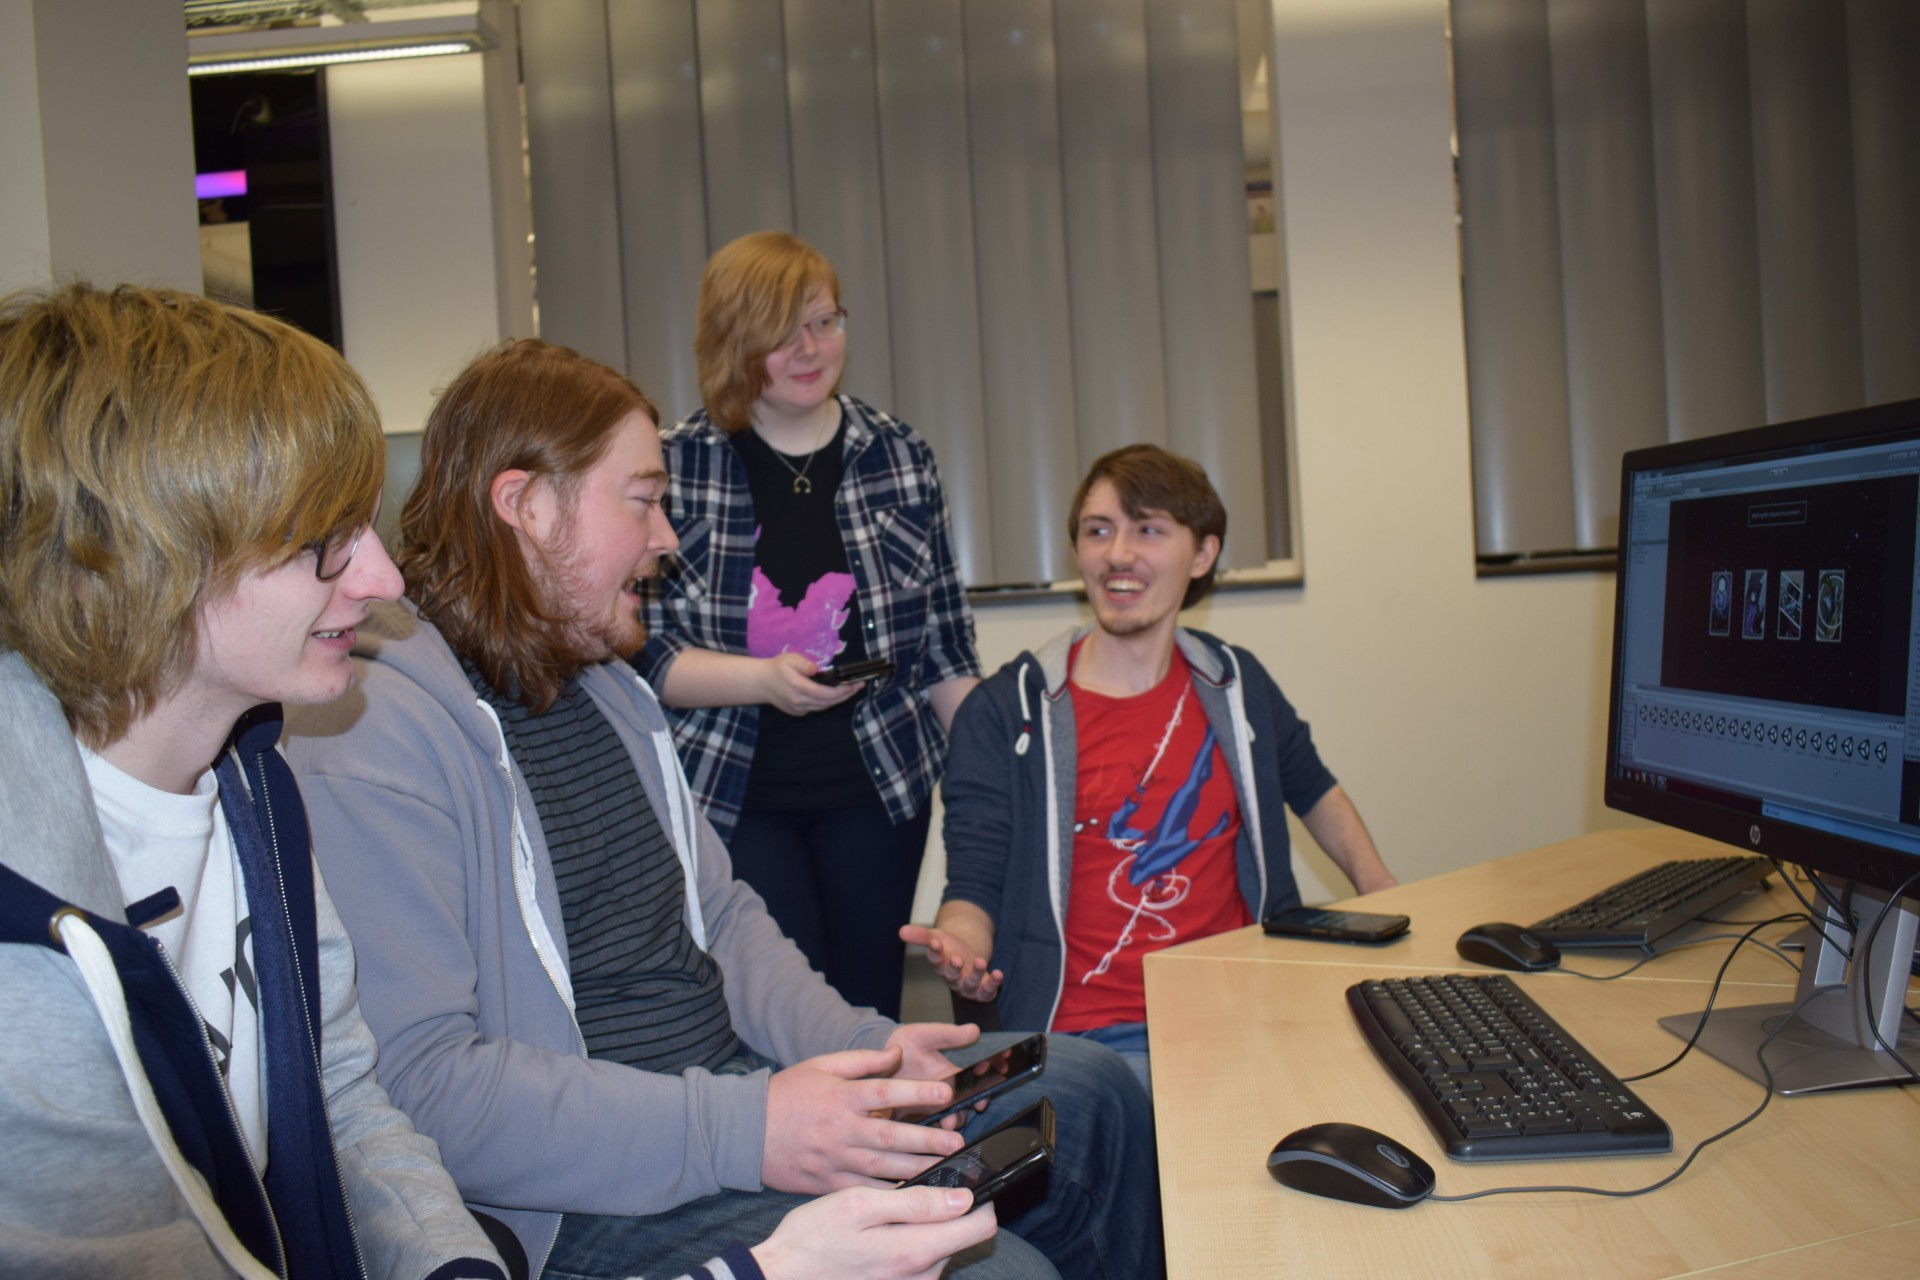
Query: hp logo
{"points": [[1753, 833]]}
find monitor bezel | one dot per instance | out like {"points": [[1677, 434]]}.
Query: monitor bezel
{"points": [[1821, 851]]}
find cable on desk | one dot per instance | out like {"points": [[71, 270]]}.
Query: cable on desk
{"points": [[1713, 994], [1701, 941]]}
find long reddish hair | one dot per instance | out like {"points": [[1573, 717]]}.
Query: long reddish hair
{"points": [[526, 406]]}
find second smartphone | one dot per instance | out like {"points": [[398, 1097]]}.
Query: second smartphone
{"points": [[1016, 1149]]}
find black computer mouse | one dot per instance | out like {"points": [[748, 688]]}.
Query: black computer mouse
{"points": [[1351, 1162], [1507, 946]]}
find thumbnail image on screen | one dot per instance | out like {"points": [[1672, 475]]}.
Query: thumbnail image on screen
{"points": [[1853, 540]]}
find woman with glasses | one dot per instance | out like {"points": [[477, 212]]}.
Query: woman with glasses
{"points": [[814, 541]]}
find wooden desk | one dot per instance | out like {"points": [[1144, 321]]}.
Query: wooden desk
{"points": [[1252, 1039]]}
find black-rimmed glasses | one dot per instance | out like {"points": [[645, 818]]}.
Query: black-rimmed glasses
{"points": [[331, 556]]}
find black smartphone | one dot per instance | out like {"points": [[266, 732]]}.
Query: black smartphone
{"points": [[988, 1078], [1335, 926], [855, 672], [1017, 1149]]}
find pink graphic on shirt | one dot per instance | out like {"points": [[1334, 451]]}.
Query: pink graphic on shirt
{"points": [[811, 627]]}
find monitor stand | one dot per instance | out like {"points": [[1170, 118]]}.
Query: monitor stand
{"points": [[1830, 1044]]}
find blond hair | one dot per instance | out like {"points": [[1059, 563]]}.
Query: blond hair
{"points": [[752, 297], [155, 447]]}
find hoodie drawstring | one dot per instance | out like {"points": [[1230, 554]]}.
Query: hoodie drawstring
{"points": [[90, 957]]}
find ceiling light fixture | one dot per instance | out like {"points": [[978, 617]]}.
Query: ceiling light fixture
{"points": [[282, 49]]}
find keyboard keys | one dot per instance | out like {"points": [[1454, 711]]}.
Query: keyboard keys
{"points": [[1643, 907], [1496, 1077]]}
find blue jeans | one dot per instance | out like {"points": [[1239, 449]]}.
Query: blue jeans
{"points": [[1129, 1040], [1094, 1216]]}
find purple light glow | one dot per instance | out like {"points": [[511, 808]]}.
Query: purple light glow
{"points": [[211, 186]]}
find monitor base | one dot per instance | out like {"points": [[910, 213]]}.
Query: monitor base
{"points": [[1851, 1000], [1803, 1058]]}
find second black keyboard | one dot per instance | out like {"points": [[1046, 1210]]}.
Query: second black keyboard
{"points": [[1496, 1077], [1635, 911]]}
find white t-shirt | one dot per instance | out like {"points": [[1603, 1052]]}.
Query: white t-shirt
{"points": [[159, 839]]}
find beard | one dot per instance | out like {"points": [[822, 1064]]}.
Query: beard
{"points": [[597, 628], [1128, 625]]}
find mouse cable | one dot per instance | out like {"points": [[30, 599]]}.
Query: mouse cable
{"points": [[1766, 1097], [1713, 994]]}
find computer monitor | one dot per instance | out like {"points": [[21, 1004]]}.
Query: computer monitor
{"points": [[1766, 693]]}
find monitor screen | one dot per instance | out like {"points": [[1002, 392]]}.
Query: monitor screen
{"points": [[1766, 693], [1766, 681]]}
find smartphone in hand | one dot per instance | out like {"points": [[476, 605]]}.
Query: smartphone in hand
{"points": [[1015, 1150], [855, 672], [988, 1078]]}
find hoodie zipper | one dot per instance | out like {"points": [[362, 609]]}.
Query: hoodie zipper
{"points": [[521, 896]]}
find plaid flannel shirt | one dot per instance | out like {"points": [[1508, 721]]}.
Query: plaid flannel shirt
{"points": [[893, 519]]}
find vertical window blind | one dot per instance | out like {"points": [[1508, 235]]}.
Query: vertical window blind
{"points": [[1678, 218]]}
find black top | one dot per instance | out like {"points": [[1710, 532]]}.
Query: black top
{"points": [[803, 762]]}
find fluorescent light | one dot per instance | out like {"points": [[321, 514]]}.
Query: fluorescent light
{"points": [[280, 49], [286, 61]]}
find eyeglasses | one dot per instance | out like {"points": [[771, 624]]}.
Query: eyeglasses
{"points": [[820, 328], [331, 556]]}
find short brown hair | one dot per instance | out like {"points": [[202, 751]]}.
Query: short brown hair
{"points": [[524, 406], [1149, 478], [752, 297], [155, 447]]}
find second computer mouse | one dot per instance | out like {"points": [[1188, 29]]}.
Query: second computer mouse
{"points": [[1351, 1162], [1507, 946]]}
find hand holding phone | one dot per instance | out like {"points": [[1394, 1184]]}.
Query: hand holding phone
{"points": [[856, 672], [1335, 926], [1015, 1150], [988, 1078]]}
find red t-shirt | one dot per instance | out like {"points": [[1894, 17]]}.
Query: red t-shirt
{"points": [[1155, 822]]}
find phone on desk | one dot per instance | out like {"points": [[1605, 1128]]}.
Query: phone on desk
{"points": [[1017, 1149], [855, 672], [988, 1078], [1335, 926]]}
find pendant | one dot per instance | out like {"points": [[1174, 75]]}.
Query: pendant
{"points": [[802, 485]]}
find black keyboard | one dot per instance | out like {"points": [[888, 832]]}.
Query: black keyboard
{"points": [[1495, 1076], [1659, 900]]}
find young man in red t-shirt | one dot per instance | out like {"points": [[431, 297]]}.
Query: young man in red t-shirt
{"points": [[1120, 789]]}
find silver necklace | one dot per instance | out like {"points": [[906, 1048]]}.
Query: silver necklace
{"points": [[800, 482]]}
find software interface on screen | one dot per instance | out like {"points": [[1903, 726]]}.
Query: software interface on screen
{"points": [[1769, 653]]}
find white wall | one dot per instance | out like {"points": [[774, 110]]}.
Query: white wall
{"points": [[413, 226], [95, 144], [25, 256]]}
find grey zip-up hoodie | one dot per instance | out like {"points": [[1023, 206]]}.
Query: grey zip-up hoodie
{"points": [[425, 827], [87, 1190]]}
